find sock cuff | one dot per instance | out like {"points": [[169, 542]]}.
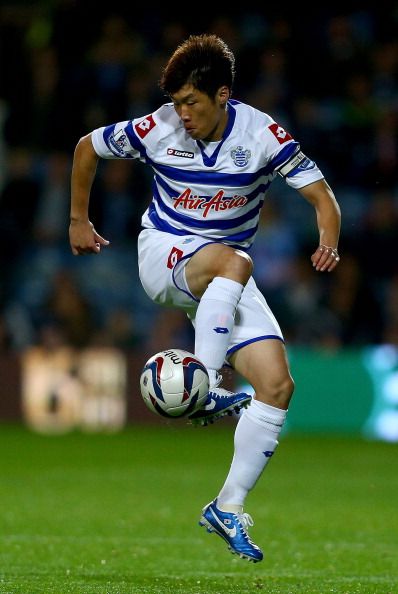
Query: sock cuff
{"points": [[227, 283], [266, 414], [224, 289]]}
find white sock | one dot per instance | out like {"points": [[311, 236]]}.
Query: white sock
{"points": [[214, 322], [256, 438]]}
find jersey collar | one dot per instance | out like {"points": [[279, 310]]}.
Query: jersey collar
{"points": [[210, 161]]}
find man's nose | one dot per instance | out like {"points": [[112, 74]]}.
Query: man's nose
{"points": [[185, 113]]}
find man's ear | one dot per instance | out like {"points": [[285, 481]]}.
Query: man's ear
{"points": [[223, 94]]}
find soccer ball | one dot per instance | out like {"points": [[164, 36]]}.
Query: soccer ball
{"points": [[174, 383]]}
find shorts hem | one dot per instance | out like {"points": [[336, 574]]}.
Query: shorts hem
{"points": [[239, 346], [186, 291]]}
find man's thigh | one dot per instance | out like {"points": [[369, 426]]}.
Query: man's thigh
{"points": [[254, 320], [264, 365], [162, 258]]}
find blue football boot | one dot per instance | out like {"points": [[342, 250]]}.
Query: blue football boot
{"points": [[219, 403], [232, 527]]}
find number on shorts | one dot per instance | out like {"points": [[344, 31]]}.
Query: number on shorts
{"points": [[174, 256]]}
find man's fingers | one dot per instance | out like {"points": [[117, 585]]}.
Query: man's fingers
{"points": [[82, 251], [325, 258], [100, 240]]}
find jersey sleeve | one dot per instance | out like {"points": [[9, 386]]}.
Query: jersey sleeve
{"points": [[131, 139], [287, 159], [114, 142]]}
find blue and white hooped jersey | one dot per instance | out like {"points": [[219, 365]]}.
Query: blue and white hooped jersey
{"points": [[212, 189]]}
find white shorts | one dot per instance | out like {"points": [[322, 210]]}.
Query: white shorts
{"points": [[162, 258]]}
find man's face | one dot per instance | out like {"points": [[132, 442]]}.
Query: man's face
{"points": [[204, 117]]}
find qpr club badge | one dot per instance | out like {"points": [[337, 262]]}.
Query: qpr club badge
{"points": [[240, 156]]}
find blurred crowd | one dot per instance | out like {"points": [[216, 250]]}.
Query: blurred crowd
{"points": [[68, 66]]}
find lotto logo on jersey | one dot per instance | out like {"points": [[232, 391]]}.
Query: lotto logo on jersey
{"points": [[177, 153], [145, 126], [280, 133]]}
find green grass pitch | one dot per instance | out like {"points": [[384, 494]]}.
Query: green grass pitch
{"points": [[117, 514]]}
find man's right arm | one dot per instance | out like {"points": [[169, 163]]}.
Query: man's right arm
{"points": [[83, 237]]}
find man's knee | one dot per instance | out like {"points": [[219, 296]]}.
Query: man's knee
{"points": [[277, 393], [217, 260], [236, 265]]}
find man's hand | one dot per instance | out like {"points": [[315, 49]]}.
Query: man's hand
{"points": [[84, 239], [325, 258]]}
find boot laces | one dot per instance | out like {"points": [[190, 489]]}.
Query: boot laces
{"points": [[246, 521], [217, 382]]}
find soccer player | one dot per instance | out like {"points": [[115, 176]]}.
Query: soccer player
{"points": [[213, 159]]}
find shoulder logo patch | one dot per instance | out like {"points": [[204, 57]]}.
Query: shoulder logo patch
{"points": [[280, 133], [145, 126], [119, 142]]}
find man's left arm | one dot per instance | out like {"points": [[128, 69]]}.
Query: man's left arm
{"points": [[328, 217]]}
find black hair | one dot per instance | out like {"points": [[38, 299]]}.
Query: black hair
{"points": [[205, 61]]}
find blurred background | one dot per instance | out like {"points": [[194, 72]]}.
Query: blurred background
{"points": [[75, 332]]}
